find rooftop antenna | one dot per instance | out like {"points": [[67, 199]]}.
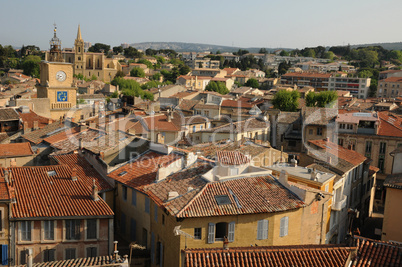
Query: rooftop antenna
{"points": [[177, 231]]}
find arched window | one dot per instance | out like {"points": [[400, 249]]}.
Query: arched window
{"points": [[79, 58], [98, 63], [79, 49]]}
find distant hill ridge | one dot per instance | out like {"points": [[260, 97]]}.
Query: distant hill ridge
{"points": [[196, 47]]}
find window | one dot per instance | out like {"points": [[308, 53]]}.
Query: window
{"points": [[197, 233], [23, 257], [368, 146], [48, 230], [49, 255], [319, 131], [221, 230], [92, 252], [327, 188], [262, 229], [92, 229], [284, 226], [147, 205], [70, 253], [133, 197], [193, 128], [133, 229], [25, 230], [163, 219], [340, 141], [383, 146], [144, 237], [72, 229], [4, 254], [381, 164], [156, 212], [123, 223], [124, 189], [310, 131]]}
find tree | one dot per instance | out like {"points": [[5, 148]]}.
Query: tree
{"points": [[115, 94], [326, 98], [117, 50], [93, 77], [329, 55], [132, 52], [184, 69], [364, 74], [252, 83], [31, 67], [156, 76], [284, 53], [218, 87], [99, 48], [283, 67], [137, 72], [119, 73], [311, 99], [286, 100], [263, 51]]}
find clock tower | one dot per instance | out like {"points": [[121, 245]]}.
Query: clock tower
{"points": [[56, 81]]}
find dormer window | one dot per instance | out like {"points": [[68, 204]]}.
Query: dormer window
{"points": [[223, 200]]}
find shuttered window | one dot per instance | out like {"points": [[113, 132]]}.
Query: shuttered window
{"points": [[262, 229], [211, 233], [48, 230], [91, 229], [231, 231], [4, 254], [49, 255], [25, 230], [152, 247], [284, 226], [73, 229]]}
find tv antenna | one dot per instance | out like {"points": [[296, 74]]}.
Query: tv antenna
{"points": [[177, 231]]}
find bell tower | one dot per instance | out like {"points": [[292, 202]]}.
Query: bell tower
{"points": [[79, 61], [55, 48]]}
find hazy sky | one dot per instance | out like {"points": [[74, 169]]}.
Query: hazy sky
{"points": [[253, 23]]}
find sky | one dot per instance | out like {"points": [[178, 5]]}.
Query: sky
{"points": [[252, 23]]}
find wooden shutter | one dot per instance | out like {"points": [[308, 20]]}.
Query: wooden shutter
{"points": [[211, 233], [152, 247], [4, 254], [133, 230], [286, 225], [231, 231], [160, 254], [282, 227], [77, 229], [259, 229], [265, 224]]}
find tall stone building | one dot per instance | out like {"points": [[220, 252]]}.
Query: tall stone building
{"points": [[89, 64]]}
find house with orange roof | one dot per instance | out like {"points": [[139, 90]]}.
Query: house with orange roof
{"points": [[56, 214], [317, 80], [193, 82], [390, 87], [351, 184], [206, 207], [16, 154]]}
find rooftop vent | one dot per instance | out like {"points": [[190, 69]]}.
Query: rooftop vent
{"points": [[122, 173], [51, 173]]}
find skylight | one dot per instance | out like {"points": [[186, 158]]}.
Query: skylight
{"points": [[51, 173], [122, 173], [223, 200]]}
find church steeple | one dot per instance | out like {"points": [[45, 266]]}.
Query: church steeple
{"points": [[79, 37]]}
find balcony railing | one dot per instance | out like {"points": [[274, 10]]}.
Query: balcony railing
{"points": [[340, 204]]}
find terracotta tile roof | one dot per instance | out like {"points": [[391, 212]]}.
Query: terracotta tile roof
{"points": [[319, 116], [157, 122], [230, 71], [232, 158], [240, 126], [188, 77], [236, 104], [303, 255], [15, 150], [40, 195], [63, 135], [31, 117], [390, 125], [392, 80], [394, 181], [183, 94], [196, 119], [85, 171], [80, 262], [142, 171], [8, 114], [49, 130], [373, 170], [338, 151], [205, 106], [4, 190], [72, 142], [377, 253]]}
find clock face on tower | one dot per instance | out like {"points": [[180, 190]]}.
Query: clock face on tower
{"points": [[61, 76]]}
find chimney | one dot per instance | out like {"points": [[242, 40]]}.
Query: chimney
{"points": [[327, 139], [102, 155], [283, 177], [95, 195], [115, 252], [225, 243], [294, 162], [169, 115], [26, 127], [74, 174], [313, 174], [30, 258], [83, 127], [35, 125], [329, 159]]}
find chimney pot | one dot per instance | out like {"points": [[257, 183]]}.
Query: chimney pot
{"points": [[95, 195]]}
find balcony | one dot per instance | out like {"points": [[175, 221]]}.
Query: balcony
{"points": [[366, 131], [338, 205]]}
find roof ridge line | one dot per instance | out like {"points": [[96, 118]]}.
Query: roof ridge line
{"points": [[192, 200]]}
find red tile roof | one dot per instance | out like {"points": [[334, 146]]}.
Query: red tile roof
{"points": [[15, 150], [236, 104], [307, 255], [307, 75], [232, 158], [154, 123], [390, 125], [377, 253], [392, 80], [350, 156], [40, 195], [79, 262], [4, 190], [62, 135], [86, 172], [31, 117], [142, 171]]}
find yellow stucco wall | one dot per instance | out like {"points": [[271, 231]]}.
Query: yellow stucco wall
{"points": [[391, 229]]}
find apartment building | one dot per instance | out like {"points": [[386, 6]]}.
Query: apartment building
{"points": [[358, 87], [319, 81], [390, 87]]}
